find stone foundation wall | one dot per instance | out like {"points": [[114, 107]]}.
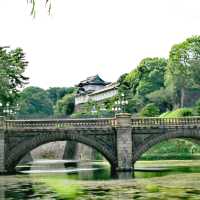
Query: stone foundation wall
{"points": [[52, 150], [63, 150]]}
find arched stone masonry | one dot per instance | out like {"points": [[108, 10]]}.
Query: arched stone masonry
{"points": [[152, 140], [26, 146]]}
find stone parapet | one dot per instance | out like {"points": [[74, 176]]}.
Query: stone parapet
{"points": [[123, 120]]}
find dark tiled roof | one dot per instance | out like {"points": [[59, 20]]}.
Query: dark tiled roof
{"points": [[93, 80]]}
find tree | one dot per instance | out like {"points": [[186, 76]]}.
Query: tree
{"points": [[151, 72], [56, 93], [183, 68], [131, 81], [65, 106], [146, 78], [12, 67], [135, 104], [124, 85], [162, 98], [34, 103]]}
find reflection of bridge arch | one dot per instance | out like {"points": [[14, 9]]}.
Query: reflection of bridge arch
{"points": [[18, 152], [192, 135]]}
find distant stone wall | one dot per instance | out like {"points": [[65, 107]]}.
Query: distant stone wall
{"points": [[81, 99], [54, 150], [64, 150], [103, 95], [86, 153], [79, 107]]}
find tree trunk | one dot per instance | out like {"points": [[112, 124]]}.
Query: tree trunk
{"points": [[182, 97]]}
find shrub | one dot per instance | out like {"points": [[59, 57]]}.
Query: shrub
{"points": [[181, 112], [186, 112], [150, 110]]}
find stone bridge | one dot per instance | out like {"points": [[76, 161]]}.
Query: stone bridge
{"points": [[121, 140]]}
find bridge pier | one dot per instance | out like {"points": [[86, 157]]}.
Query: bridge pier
{"points": [[70, 150], [2, 146], [124, 142]]}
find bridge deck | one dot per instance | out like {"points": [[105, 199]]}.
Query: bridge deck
{"points": [[150, 122]]}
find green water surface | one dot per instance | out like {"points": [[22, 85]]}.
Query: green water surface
{"points": [[151, 180]]}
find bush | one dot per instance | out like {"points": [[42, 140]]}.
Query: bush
{"points": [[150, 110], [181, 112], [186, 112]]}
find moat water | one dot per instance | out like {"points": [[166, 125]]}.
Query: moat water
{"points": [[47, 179]]}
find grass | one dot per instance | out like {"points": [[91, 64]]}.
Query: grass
{"points": [[181, 156]]}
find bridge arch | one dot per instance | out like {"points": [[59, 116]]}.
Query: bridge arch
{"points": [[18, 152], [192, 135]]}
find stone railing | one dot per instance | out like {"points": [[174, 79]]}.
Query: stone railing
{"points": [[58, 123], [118, 121], [154, 121]]}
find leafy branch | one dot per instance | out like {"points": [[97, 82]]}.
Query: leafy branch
{"points": [[48, 5]]}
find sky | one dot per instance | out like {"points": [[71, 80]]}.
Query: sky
{"points": [[82, 38]]}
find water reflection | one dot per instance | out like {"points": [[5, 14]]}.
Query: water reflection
{"points": [[12, 188], [2, 189], [86, 170], [77, 170], [63, 182], [124, 175]]}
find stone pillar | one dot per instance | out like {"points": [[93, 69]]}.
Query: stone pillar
{"points": [[86, 153], [2, 145], [70, 150], [124, 142]]}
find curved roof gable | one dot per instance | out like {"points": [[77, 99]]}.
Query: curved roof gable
{"points": [[93, 80]]}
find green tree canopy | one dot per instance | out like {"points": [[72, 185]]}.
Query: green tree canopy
{"points": [[65, 106], [12, 67], [35, 103], [145, 79], [162, 98], [56, 93], [151, 72], [183, 68]]}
